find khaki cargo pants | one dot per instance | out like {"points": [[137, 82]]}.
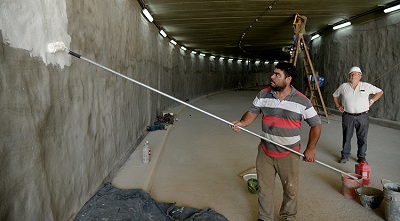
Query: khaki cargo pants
{"points": [[288, 170]]}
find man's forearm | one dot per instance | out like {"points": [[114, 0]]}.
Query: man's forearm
{"points": [[315, 133], [377, 96], [248, 118], [336, 101]]}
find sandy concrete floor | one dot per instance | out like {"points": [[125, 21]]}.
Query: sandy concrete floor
{"points": [[196, 163]]}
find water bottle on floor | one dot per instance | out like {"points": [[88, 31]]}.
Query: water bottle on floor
{"points": [[146, 152]]}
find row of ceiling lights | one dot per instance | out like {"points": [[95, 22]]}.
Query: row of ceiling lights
{"points": [[150, 18], [346, 23], [253, 23], [339, 25]]}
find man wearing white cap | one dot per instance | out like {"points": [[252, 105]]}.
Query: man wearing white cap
{"points": [[354, 106]]}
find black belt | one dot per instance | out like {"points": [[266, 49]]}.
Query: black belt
{"points": [[357, 114]]}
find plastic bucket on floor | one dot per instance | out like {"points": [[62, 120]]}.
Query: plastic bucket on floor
{"points": [[370, 197], [252, 183], [349, 185], [391, 194]]}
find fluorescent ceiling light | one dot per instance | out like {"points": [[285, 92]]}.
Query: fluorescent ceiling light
{"points": [[162, 32], [183, 48], [239, 60], [266, 62], [230, 59], [212, 56], [393, 8], [221, 58], [201, 54], [341, 25], [193, 52], [173, 42], [315, 36], [147, 14]]}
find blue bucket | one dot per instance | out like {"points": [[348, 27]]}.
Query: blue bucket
{"points": [[321, 80]]}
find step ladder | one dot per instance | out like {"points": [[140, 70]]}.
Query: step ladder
{"points": [[313, 91]]}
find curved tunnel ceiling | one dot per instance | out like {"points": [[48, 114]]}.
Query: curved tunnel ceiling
{"points": [[253, 29]]}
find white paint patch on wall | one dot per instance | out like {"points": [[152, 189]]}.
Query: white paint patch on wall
{"points": [[33, 24]]}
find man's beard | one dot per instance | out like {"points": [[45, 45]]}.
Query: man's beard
{"points": [[278, 88]]}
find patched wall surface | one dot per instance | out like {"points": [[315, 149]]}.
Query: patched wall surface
{"points": [[65, 123]]}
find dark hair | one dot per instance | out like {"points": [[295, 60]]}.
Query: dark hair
{"points": [[288, 69]]}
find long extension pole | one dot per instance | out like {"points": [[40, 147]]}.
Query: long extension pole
{"points": [[59, 46]]}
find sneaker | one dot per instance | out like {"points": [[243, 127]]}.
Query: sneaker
{"points": [[343, 160]]}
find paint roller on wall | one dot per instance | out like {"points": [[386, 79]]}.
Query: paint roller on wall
{"points": [[60, 46]]}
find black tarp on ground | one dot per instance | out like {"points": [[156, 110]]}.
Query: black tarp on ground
{"points": [[111, 203]]}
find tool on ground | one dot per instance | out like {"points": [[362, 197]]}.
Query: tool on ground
{"points": [[314, 81], [60, 46]]}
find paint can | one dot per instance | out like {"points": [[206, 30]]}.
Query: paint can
{"points": [[391, 193], [370, 198], [364, 170], [349, 185]]}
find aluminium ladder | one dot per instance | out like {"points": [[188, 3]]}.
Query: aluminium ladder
{"points": [[313, 91]]}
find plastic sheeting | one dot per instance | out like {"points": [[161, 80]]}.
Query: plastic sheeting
{"points": [[111, 203]]}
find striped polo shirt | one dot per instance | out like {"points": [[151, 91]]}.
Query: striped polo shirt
{"points": [[281, 120]]}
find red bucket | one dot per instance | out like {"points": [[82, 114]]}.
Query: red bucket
{"points": [[349, 185]]}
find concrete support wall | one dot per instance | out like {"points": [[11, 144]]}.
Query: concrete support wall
{"points": [[65, 123], [374, 46]]}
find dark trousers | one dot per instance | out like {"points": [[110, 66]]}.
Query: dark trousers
{"points": [[361, 124], [307, 39]]}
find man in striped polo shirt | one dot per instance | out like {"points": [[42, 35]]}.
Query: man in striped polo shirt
{"points": [[283, 108]]}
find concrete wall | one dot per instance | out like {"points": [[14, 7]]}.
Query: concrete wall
{"points": [[374, 46], [65, 123]]}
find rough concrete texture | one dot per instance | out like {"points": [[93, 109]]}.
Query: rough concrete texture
{"points": [[64, 130]]}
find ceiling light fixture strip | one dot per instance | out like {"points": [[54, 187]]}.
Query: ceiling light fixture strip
{"points": [[150, 18], [386, 9], [251, 25], [392, 8]]}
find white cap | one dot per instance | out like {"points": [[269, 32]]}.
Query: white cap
{"points": [[355, 69]]}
